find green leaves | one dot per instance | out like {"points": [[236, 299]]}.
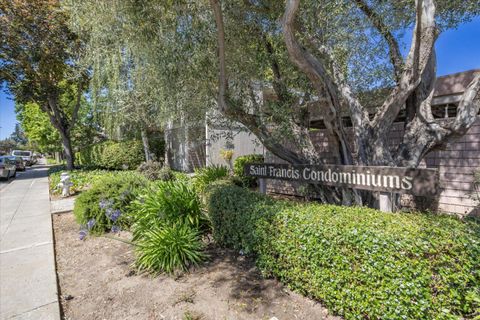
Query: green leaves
{"points": [[112, 155], [168, 221], [205, 176], [81, 179], [239, 164], [166, 248], [37, 127], [167, 202], [116, 188], [361, 263]]}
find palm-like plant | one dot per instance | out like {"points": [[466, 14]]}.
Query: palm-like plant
{"points": [[205, 176], [169, 247], [167, 202]]}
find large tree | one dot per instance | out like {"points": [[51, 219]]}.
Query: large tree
{"points": [[324, 56], [37, 128], [38, 55], [150, 62]]}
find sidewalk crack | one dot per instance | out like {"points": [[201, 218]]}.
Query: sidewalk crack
{"points": [[33, 309]]}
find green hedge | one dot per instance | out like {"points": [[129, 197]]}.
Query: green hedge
{"points": [[112, 155], [240, 163], [361, 263]]}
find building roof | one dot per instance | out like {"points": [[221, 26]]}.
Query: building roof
{"points": [[455, 83]]}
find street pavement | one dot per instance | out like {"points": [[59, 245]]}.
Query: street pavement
{"points": [[28, 282]]}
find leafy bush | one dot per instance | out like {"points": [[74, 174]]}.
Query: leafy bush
{"points": [[169, 247], [81, 179], [166, 174], [240, 163], [204, 176], [105, 204], [360, 262], [150, 169], [166, 202], [233, 211], [112, 155]]}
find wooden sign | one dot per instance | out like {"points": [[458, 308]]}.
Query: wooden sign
{"points": [[420, 182]]}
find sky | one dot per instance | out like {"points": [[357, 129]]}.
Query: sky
{"points": [[457, 50]]}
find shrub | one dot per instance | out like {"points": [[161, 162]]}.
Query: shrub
{"points": [[227, 205], [240, 163], [360, 262], [168, 248], [150, 169], [167, 202], [166, 174], [207, 175], [112, 155], [106, 203], [167, 224], [182, 177]]}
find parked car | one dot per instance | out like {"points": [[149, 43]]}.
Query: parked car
{"points": [[19, 162], [7, 168], [26, 155]]}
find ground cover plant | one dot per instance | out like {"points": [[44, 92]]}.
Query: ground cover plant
{"points": [[81, 179], [104, 207], [361, 263]]}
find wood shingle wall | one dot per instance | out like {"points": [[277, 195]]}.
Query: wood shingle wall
{"points": [[456, 164]]}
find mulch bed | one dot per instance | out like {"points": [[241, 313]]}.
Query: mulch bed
{"points": [[97, 281]]}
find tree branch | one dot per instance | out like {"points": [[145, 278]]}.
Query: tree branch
{"points": [[421, 50], [252, 122], [468, 108], [336, 86], [393, 47], [77, 105], [223, 82], [337, 90], [425, 133]]}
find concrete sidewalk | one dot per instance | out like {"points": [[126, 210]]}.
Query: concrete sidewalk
{"points": [[28, 282]]}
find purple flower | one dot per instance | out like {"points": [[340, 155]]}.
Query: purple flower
{"points": [[104, 204], [90, 224], [124, 194], [83, 234], [115, 215], [109, 212], [115, 229]]}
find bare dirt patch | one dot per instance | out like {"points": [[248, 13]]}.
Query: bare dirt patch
{"points": [[97, 281]]}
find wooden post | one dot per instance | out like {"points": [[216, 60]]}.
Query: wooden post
{"points": [[262, 185], [385, 202]]}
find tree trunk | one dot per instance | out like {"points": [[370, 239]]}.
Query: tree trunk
{"points": [[146, 146], [67, 148], [168, 145]]}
